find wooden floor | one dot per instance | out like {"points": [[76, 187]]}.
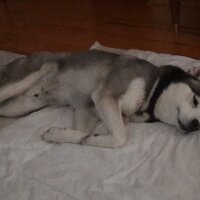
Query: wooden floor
{"points": [[74, 25]]}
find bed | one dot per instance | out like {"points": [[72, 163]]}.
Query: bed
{"points": [[157, 163]]}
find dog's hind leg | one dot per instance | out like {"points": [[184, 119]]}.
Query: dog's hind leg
{"points": [[33, 99], [84, 122], [20, 106], [17, 88]]}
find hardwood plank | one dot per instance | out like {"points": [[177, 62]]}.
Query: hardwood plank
{"points": [[5, 39], [73, 25], [59, 38], [156, 15]]}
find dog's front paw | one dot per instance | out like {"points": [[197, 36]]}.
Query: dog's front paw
{"points": [[104, 141], [89, 140], [50, 135]]}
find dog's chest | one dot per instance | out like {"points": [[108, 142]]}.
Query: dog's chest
{"points": [[134, 97]]}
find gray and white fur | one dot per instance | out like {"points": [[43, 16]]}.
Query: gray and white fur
{"points": [[114, 85]]}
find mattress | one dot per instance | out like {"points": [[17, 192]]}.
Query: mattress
{"points": [[157, 163]]}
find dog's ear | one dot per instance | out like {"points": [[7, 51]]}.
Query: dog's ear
{"points": [[194, 85]]}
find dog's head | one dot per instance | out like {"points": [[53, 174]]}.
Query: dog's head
{"points": [[179, 103]]}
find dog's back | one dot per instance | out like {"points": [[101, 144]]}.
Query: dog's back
{"points": [[79, 75], [71, 79]]}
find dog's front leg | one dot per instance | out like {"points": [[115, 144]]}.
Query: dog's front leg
{"points": [[110, 112]]}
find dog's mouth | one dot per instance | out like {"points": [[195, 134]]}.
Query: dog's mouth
{"points": [[182, 126]]}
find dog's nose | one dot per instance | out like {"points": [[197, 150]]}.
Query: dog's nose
{"points": [[194, 125]]}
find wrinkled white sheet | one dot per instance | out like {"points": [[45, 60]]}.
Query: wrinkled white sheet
{"points": [[157, 163]]}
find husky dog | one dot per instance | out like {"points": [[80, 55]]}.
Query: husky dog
{"points": [[114, 85]]}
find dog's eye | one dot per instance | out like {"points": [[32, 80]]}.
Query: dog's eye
{"points": [[195, 101], [36, 95]]}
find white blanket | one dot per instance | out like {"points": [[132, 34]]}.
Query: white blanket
{"points": [[157, 163]]}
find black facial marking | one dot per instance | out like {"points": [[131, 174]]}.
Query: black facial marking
{"points": [[168, 74], [195, 101]]}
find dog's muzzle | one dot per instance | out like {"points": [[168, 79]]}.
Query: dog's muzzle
{"points": [[192, 126]]}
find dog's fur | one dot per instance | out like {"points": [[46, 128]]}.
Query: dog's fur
{"points": [[113, 84]]}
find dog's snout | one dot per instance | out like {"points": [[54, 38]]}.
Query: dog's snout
{"points": [[194, 125]]}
